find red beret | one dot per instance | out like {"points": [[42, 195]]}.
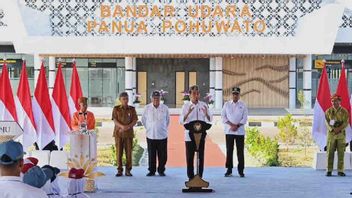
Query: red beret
{"points": [[336, 97]]}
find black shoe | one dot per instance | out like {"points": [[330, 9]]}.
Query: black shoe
{"points": [[162, 174], [241, 174], [119, 174], [328, 174], [342, 174], [228, 173], [150, 174], [128, 174]]}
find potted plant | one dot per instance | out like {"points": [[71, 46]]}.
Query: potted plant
{"points": [[162, 94], [209, 100], [136, 101], [185, 98]]}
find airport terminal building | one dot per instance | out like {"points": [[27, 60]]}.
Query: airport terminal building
{"points": [[272, 49]]}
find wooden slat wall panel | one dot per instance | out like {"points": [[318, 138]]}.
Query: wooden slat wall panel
{"points": [[192, 78], [263, 80], [180, 87], [142, 87]]}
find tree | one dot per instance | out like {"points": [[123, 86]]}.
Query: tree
{"points": [[305, 139], [287, 130]]}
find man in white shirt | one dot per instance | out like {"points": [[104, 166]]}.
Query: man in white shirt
{"points": [[234, 116], [194, 110], [11, 162], [156, 120]]}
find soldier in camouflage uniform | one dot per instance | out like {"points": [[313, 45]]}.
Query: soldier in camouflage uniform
{"points": [[337, 121]]}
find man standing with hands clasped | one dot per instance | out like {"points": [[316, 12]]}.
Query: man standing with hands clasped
{"points": [[156, 121], [234, 116], [194, 110], [337, 121], [124, 117]]}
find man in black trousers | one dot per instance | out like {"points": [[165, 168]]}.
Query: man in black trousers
{"points": [[234, 116], [156, 120], [194, 110]]}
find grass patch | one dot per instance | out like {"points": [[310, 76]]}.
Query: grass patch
{"points": [[296, 157]]}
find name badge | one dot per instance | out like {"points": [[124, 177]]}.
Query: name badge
{"points": [[332, 122]]}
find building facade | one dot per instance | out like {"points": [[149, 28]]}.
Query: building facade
{"points": [[271, 49]]}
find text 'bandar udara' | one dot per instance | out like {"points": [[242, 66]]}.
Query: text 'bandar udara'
{"points": [[198, 19]]}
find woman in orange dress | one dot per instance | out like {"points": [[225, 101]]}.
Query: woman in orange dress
{"points": [[83, 119]]}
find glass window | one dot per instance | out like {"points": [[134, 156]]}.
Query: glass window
{"points": [[101, 79], [14, 64]]}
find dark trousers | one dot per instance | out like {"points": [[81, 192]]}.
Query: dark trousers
{"points": [[230, 139], [157, 148], [190, 151]]}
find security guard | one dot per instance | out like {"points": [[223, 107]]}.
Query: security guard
{"points": [[124, 117], [337, 121]]}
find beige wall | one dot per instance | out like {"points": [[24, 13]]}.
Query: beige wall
{"points": [[263, 79]]}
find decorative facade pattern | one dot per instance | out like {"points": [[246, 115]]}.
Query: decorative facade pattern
{"points": [[265, 81], [2, 16], [347, 20]]}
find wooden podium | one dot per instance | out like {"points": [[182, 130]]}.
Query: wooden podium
{"points": [[197, 132]]}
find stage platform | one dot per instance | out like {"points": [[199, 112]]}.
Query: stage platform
{"points": [[258, 183]]}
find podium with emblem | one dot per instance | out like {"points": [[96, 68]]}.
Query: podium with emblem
{"points": [[83, 143], [197, 132]]}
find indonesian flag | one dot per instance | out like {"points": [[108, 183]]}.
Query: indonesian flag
{"points": [[42, 111], [24, 110], [322, 104], [342, 90], [75, 91], [61, 110], [7, 103]]}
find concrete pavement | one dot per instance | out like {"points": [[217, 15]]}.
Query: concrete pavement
{"points": [[258, 183]]}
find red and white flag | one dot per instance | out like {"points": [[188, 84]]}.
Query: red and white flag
{"points": [[61, 110], [42, 111], [342, 90], [322, 104], [7, 102], [75, 91], [24, 110]]}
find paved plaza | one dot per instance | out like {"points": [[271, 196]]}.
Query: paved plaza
{"points": [[259, 182]]}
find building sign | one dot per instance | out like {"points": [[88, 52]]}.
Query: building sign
{"points": [[200, 19], [190, 18], [319, 64]]}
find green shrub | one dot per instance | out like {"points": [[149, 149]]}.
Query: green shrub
{"points": [[137, 152], [264, 149]]}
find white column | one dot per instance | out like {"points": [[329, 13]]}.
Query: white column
{"points": [[218, 83], [37, 61], [212, 77], [134, 75], [292, 82], [307, 81], [52, 68], [129, 78]]}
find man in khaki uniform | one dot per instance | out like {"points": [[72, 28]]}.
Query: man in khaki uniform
{"points": [[337, 121], [124, 117]]}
